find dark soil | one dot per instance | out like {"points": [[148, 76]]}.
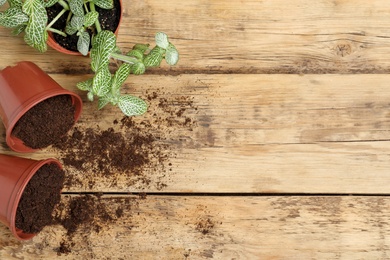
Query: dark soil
{"points": [[109, 20], [46, 122], [39, 198]]}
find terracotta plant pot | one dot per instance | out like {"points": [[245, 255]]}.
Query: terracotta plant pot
{"points": [[15, 173], [53, 44], [22, 87]]}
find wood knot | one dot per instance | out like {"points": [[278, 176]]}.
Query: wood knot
{"points": [[343, 49]]}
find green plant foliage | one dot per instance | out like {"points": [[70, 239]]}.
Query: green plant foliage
{"points": [[105, 4], [83, 43], [101, 84], [91, 18], [172, 55], [49, 3], [120, 77], [102, 47], [36, 34], [132, 106], [15, 3], [76, 7], [13, 17], [155, 56]]}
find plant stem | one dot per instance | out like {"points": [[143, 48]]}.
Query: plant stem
{"points": [[97, 23], [55, 19], [57, 31], [124, 58], [64, 4]]}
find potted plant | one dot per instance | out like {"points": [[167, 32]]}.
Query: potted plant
{"points": [[35, 109], [29, 191], [30, 16]]}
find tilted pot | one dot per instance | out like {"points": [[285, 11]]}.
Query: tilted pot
{"points": [[22, 87], [15, 173]]}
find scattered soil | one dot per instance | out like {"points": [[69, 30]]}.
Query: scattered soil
{"points": [[205, 226], [133, 151], [89, 213], [46, 122], [39, 198], [109, 20]]}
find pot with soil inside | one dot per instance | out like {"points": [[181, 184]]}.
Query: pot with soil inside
{"points": [[36, 110], [73, 24], [29, 191]]}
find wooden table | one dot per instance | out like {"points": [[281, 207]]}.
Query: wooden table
{"points": [[288, 154]]}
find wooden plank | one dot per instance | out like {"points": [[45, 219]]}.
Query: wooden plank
{"points": [[257, 133], [248, 36], [223, 228]]}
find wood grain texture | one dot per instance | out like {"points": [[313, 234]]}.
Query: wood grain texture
{"points": [[225, 228], [257, 133], [246, 37]]}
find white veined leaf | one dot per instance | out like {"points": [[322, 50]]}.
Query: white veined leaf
{"points": [[120, 76], [162, 40], [103, 101], [2, 2], [70, 30], [132, 106], [91, 18], [19, 29], [172, 55], [141, 47], [103, 46], [104, 4], [49, 3], [76, 7], [102, 82], [36, 34], [138, 68], [77, 22], [13, 17], [83, 43], [154, 57], [136, 54], [90, 96], [85, 85], [15, 3]]}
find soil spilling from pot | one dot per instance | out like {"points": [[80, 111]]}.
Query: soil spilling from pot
{"points": [[131, 152], [39, 198], [108, 18], [46, 122]]}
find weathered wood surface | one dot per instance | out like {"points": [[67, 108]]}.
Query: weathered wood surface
{"points": [[254, 129], [226, 228]]}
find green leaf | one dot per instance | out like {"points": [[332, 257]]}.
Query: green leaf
{"points": [[120, 76], [162, 40], [77, 22], [85, 85], [19, 29], [172, 55], [13, 17], [15, 3], [2, 2], [154, 58], [83, 43], [70, 30], [90, 96], [138, 68], [102, 82], [136, 54], [49, 3], [76, 7], [91, 18], [132, 106], [103, 101], [141, 47], [102, 46], [105, 4], [36, 35]]}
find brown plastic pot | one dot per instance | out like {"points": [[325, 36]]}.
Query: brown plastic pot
{"points": [[15, 173], [53, 44], [22, 87]]}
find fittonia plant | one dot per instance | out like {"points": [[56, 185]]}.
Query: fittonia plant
{"points": [[106, 86], [30, 17]]}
